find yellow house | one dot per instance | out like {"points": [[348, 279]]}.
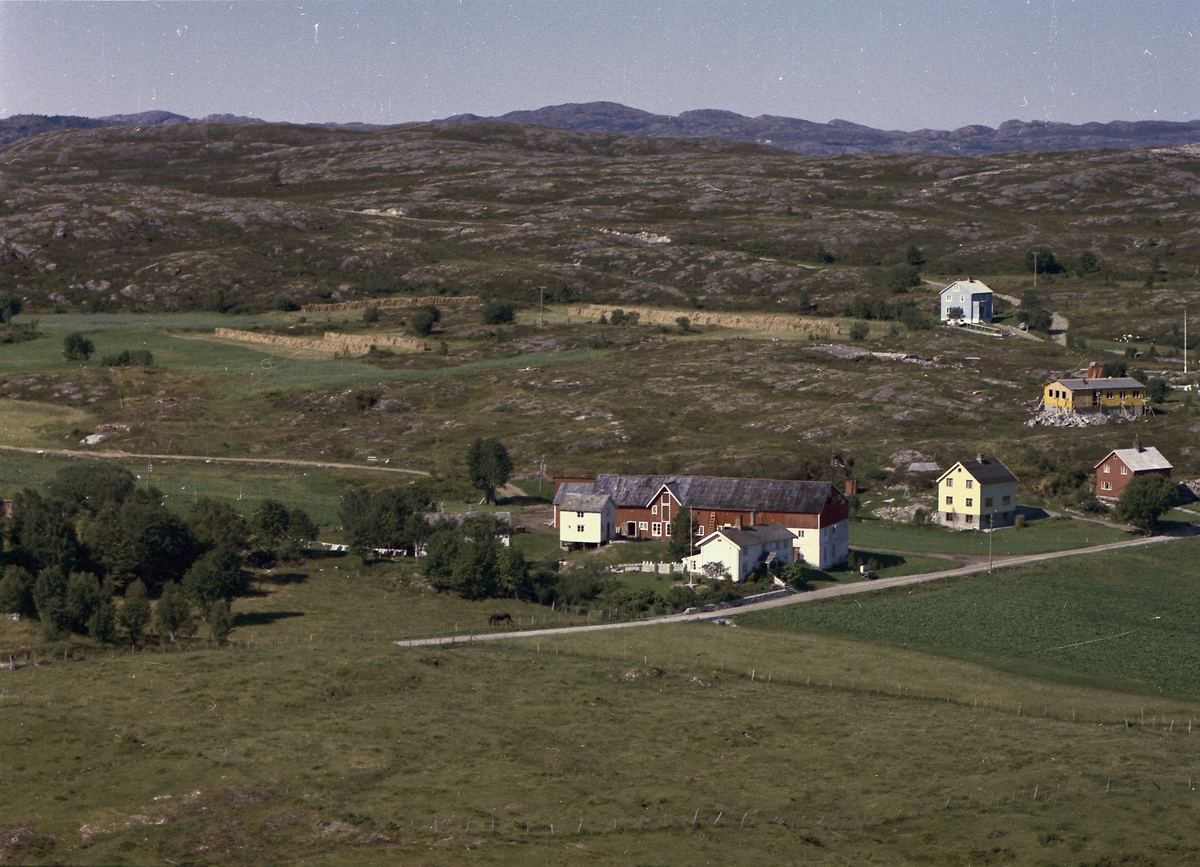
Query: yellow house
{"points": [[977, 495], [1096, 394]]}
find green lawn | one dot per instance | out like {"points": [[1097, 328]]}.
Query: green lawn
{"points": [[1037, 537], [1128, 618]]}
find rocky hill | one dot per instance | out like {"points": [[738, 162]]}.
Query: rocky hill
{"points": [[844, 137], [242, 216]]}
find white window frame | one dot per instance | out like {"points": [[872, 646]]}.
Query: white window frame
{"points": [[643, 525], [656, 529]]}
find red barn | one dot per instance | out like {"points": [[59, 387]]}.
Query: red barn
{"points": [[817, 513]]}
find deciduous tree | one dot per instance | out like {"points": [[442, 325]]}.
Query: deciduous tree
{"points": [[488, 466], [1145, 499]]}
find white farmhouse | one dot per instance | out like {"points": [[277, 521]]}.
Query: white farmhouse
{"points": [[970, 296], [585, 520], [741, 550]]}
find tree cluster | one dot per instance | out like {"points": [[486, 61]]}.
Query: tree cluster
{"points": [[392, 518], [94, 538], [904, 311]]}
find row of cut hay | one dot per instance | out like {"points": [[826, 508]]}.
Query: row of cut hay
{"points": [[354, 344], [746, 321], [388, 303]]}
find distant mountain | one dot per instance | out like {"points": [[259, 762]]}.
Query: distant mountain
{"points": [[844, 137], [21, 126]]}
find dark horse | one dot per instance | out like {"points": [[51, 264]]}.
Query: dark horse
{"points": [[496, 619]]}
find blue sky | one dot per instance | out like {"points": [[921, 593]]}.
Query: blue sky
{"points": [[895, 64]]}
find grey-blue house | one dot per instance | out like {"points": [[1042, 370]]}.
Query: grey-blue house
{"points": [[971, 296]]}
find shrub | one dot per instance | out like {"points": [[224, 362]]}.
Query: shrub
{"points": [[370, 315], [76, 347], [424, 319], [498, 311], [859, 330], [127, 358], [286, 304]]}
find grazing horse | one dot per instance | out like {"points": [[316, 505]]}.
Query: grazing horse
{"points": [[497, 619]]}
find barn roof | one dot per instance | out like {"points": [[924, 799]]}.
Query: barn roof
{"points": [[1140, 460], [713, 492]]}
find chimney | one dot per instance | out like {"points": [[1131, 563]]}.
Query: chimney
{"points": [[1137, 445], [739, 520], [753, 517], [979, 458], [1095, 370]]}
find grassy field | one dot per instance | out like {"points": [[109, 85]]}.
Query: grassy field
{"points": [[1127, 617], [312, 738], [1037, 537]]}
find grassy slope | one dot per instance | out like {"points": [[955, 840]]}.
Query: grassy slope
{"points": [[1124, 617], [272, 745]]}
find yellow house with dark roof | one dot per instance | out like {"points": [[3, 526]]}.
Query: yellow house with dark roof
{"points": [[977, 495]]}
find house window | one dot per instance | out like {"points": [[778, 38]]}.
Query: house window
{"points": [[1006, 500], [987, 502], [1108, 395], [1124, 471], [800, 533], [970, 484], [642, 525], [970, 502], [1106, 468], [1106, 486], [970, 519], [656, 529], [949, 483], [654, 510], [1122, 395], [700, 530], [949, 516], [667, 527], [949, 501], [1137, 394], [579, 528], [579, 514], [666, 499]]}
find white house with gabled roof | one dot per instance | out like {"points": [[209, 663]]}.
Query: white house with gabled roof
{"points": [[585, 520], [972, 297], [742, 549]]}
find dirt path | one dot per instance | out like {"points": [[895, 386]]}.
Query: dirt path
{"points": [[799, 598], [75, 453]]}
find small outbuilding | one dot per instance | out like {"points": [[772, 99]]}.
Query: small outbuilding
{"points": [[741, 550], [1120, 466], [970, 296], [585, 520]]}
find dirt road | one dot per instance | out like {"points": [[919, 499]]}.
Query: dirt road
{"points": [[108, 454], [799, 598]]}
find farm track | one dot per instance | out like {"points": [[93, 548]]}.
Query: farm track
{"points": [[813, 596], [286, 462]]}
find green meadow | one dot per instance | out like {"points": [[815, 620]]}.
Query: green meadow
{"points": [[800, 737]]}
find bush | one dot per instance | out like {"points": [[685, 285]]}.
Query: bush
{"points": [[859, 331], [76, 347], [424, 319], [127, 358], [286, 304], [370, 315], [901, 278], [498, 311]]}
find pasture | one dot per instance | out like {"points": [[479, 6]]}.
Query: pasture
{"points": [[313, 738], [1128, 618]]}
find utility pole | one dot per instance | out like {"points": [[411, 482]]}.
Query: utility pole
{"points": [[1185, 341], [1035, 269], [541, 303], [991, 529]]}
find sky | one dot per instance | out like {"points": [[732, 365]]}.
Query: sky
{"points": [[891, 64]]}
